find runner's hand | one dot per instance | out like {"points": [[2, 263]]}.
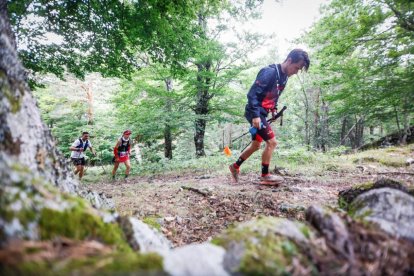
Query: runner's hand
{"points": [[256, 122]]}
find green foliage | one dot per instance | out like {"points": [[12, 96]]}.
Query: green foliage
{"points": [[103, 36], [364, 61]]}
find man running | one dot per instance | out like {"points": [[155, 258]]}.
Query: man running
{"points": [[78, 157], [262, 100]]}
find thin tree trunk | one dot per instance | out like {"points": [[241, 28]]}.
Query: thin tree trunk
{"points": [[316, 122], [343, 131], [167, 126], [351, 135], [89, 100], [406, 122], [398, 122], [325, 127], [306, 103], [359, 132]]}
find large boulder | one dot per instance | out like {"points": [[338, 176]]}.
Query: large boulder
{"points": [[348, 195], [328, 244], [143, 238], [195, 259], [392, 210], [267, 246]]}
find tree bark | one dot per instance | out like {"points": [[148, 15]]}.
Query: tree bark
{"points": [[89, 100], [307, 111], [343, 131], [25, 141], [167, 126], [203, 96]]}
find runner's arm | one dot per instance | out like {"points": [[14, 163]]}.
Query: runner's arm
{"points": [[116, 149], [92, 150], [74, 147]]}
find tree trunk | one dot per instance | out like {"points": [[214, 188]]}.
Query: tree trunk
{"points": [[316, 123], [397, 119], [324, 127], [25, 141], [307, 111], [343, 131], [359, 130], [167, 126], [406, 122], [203, 96], [89, 100]]}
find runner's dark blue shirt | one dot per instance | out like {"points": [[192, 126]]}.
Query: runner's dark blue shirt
{"points": [[265, 91]]}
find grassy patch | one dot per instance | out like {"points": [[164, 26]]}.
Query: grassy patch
{"points": [[153, 222]]}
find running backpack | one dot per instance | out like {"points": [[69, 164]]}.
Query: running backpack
{"points": [[81, 145]]}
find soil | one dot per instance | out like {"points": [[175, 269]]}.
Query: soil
{"points": [[194, 208]]}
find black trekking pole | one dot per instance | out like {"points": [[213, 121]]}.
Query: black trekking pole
{"points": [[271, 120]]}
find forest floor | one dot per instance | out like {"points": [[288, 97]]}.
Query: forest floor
{"points": [[193, 207]]}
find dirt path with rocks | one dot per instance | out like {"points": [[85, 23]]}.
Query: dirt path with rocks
{"points": [[193, 208]]}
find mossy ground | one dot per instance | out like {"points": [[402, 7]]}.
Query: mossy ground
{"points": [[153, 222]]}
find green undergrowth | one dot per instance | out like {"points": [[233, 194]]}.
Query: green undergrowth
{"points": [[296, 160]]}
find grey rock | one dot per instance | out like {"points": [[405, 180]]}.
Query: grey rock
{"points": [[391, 209], [195, 260], [287, 208], [97, 200], [331, 226], [234, 254], [143, 238]]}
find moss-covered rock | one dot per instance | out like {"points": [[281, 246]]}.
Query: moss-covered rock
{"points": [[347, 196], [78, 223], [109, 264], [267, 246], [33, 209], [390, 209]]}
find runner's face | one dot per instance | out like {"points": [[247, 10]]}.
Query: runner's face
{"points": [[85, 136], [126, 136], [293, 68]]}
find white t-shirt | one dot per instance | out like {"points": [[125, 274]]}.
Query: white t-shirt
{"points": [[78, 154]]}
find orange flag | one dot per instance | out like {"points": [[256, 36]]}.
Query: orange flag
{"points": [[227, 151]]}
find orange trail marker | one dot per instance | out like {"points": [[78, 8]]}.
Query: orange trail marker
{"points": [[227, 151]]}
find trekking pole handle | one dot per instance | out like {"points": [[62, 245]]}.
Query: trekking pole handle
{"points": [[279, 114]]}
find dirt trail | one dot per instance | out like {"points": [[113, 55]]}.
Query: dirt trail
{"points": [[213, 202]]}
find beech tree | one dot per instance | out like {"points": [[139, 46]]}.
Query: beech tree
{"points": [[365, 58]]}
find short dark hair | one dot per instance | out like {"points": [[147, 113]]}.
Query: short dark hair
{"points": [[85, 132], [297, 55]]}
